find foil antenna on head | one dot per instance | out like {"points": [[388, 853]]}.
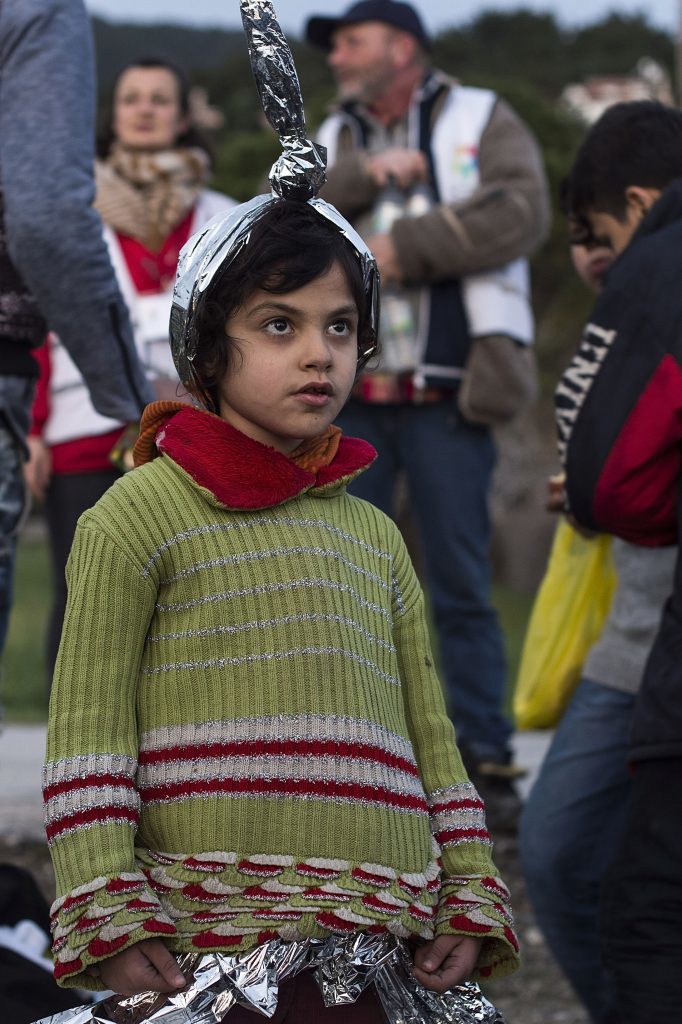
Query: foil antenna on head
{"points": [[300, 172], [296, 176]]}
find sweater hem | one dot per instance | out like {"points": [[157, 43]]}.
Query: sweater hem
{"points": [[188, 902]]}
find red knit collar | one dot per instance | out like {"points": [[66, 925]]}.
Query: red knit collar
{"points": [[244, 474]]}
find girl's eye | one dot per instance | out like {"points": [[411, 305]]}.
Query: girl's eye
{"points": [[278, 326], [341, 328]]}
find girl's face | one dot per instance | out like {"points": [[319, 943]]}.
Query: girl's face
{"points": [[147, 112], [295, 364]]}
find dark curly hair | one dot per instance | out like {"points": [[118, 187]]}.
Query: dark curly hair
{"points": [[289, 246]]}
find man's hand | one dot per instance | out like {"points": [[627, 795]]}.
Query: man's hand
{"points": [[147, 966], [383, 250], [446, 961], [556, 502], [556, 499], [405, 165], [38, 469]]}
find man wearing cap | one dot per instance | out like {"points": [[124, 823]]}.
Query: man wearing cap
{"points": [[456, 325]]}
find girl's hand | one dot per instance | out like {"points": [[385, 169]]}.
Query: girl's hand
{"points": [[446, 961], [147, 966]]}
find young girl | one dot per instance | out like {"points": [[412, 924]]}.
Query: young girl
{"points": [[247, 735]]}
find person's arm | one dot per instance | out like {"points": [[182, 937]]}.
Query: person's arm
{"points": [[505, 218], [38, 469], [104, 903], [473, 901], [47, 99]]}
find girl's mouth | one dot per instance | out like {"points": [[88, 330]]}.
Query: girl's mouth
{"points": [[317, 393]]}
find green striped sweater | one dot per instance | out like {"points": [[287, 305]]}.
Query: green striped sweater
{"points": [[247, 737]]}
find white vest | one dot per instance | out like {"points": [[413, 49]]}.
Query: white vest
{"points": [[72, 414], [497, 301]]}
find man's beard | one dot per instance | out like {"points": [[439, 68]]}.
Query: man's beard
{"points": [[364, 88]]}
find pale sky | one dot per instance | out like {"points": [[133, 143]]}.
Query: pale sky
{"points": [[437, 14]]}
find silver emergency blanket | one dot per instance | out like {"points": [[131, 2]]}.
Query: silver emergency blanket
{"points": [[343, 968], [297, 175]]}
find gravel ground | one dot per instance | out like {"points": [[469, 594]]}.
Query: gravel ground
{"points": [[537, 994]]}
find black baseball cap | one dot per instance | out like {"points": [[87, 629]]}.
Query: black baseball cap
{"points": [[319, 31]]}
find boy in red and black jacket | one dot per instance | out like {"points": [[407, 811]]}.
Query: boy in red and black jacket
{"points": [[619, 417]]}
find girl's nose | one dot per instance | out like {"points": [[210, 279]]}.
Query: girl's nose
{"points": [[318, 352]]}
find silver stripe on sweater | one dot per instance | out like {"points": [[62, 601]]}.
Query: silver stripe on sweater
{"points": [[90, 798], [397, 593], [260, 556], [284, 620], [240, 524], [283, 768], [283, 727], [461, 791], [252, 659], [81, 765], [272, 588], [257, 793], [72, 830]]}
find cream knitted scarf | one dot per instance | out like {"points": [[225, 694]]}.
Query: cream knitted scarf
{"points": [[147, 194]]}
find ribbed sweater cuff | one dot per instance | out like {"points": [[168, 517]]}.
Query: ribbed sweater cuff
{"points": [[479, 907], [96, 920]]}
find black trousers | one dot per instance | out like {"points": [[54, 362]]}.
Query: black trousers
{"points": [[641, 913], [68, 496]]}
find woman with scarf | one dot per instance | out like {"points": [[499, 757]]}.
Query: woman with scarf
{"points": [[151, 194]]}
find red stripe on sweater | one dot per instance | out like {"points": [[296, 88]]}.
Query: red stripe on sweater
{"points": [[99, 948], [209, 940], [376, 903], [463, 924], [86, 782], [96, 816], [279, 748], [419, 914], [411, 890], [335, 924], [72, 903], [461, 835], [119, 885], [380, 881], [283, 787], [63, 970], [465, 804]]}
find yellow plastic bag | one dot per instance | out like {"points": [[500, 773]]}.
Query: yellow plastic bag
{"points": [[568, 615]]}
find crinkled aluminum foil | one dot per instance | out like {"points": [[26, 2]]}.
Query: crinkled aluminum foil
{"points": [[343, 968], [297, 175]]}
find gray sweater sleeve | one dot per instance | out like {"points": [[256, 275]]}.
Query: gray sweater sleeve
{"points": [[47, 99]]}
